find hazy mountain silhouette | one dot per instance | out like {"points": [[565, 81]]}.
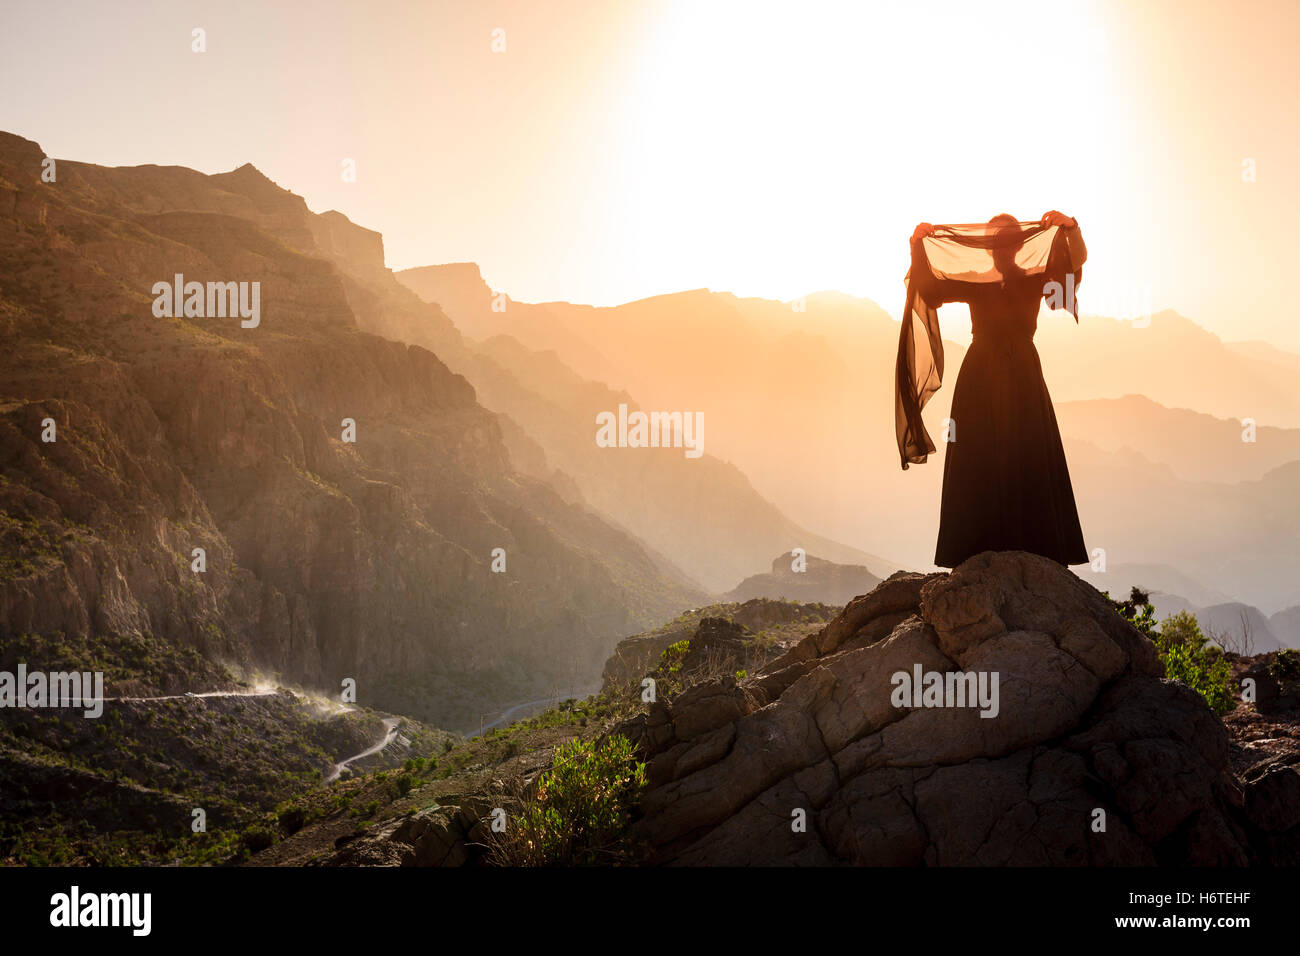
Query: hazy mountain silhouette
{"points": [[1238, 627], [1285, 624], [1195, 445], [663, 498], [1117, 580], [1195, 369], [783, 384]]}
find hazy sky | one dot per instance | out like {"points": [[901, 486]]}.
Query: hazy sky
{"points": [[618, 149]]}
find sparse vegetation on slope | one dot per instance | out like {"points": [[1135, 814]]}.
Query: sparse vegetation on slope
{"points": [[1186, 653], [579, 808], [123, 788]]}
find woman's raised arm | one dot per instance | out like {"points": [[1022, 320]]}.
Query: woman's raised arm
{"points": [[1073, 235], [935, 292]]}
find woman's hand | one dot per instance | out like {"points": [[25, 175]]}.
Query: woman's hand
{"points": [[1054, 218], [921, 231]]}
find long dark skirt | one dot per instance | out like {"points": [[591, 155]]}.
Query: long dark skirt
{"points": [[1006, 486]]}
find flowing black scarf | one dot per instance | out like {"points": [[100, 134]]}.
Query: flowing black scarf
{"points": [[952, 255]]}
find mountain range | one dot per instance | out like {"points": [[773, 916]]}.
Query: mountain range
{"points": [[394, 479], [785, 384], [415, 560]]}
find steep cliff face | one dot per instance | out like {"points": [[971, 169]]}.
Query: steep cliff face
{"points": [[325, 558]]}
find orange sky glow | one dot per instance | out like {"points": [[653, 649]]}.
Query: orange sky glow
{"points": [[614, 151]]}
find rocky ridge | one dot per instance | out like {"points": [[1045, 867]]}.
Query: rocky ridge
{"points": [[817, 579], [1086, 729]]}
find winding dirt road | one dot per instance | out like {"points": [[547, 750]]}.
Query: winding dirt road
{"points": [[390, 734]]}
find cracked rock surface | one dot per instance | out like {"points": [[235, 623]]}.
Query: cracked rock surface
{"points": [[1092, 758]]}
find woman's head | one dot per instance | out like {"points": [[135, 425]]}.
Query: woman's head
{"points": [[1006, 230]]}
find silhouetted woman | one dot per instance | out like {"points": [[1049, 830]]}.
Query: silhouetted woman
{"points": [[1006, 486]]}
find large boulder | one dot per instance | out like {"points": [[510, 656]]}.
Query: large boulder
{"points": [[452, 833], [1277, 682], [1040, 732]]}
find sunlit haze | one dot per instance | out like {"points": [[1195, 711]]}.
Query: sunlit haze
{"points": [[620, 150]]}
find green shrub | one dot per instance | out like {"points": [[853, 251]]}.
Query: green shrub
{"points": [[1186, 653], [256, 839], [674, 655], [580, 807], [1188, 656], [1285, 669], [404, 783], [292, 819], [1137, 610], [667, 674]]}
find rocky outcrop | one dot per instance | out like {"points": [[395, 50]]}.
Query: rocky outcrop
{"points": [[1277, 682], [726, 638], [1079, 754], [1272, 808], [451, 833], [807, 579], [1265, 753]]}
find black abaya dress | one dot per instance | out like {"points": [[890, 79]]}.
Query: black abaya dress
{"points": [[1006, 486]]}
